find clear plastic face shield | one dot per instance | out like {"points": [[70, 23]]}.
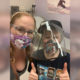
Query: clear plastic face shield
{"points": [[50, 39]]}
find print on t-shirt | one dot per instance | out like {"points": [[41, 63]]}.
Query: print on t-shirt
{"points": [[48, 73]]}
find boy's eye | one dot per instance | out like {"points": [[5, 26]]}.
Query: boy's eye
{"points": [[47, 37]]}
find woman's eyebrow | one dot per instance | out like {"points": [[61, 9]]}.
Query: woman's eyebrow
{"points": [[20, 27]]}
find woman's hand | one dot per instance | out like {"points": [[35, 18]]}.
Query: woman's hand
{"points": [[33, 75]]}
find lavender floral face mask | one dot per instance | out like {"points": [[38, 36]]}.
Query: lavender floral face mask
{"points": [[20, 41]]}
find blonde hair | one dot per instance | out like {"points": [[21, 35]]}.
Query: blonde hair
{"points": [[20, 14]]}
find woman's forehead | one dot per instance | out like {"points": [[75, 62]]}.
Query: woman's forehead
{"points": [[25, 19]]}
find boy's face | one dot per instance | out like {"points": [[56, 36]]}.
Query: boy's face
{"points": [[47, 38], [23, 26]]}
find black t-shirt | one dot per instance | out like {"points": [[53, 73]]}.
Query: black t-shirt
{"points": [[58, 63]]}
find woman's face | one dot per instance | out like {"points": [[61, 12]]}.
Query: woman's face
{"points": [[23, 26]]}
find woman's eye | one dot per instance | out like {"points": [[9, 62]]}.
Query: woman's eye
{"points": [[20, 29], [30, 32]]}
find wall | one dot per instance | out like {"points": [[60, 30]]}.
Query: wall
{"points": [[42, 10], [24, 5]]}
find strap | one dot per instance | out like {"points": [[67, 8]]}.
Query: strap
{"points": [[28, 64]]}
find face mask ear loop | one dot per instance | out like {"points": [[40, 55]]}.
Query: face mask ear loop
{"points": [[49, 29]]}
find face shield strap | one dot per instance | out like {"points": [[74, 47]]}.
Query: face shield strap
{"points": [[49, 29], [59, 46]]}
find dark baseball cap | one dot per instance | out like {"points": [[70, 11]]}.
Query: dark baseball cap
{"points": [[52, 23]]}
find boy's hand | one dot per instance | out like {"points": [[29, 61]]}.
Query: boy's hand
{"points": [[64, 75]]}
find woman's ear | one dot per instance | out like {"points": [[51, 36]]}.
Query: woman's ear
{"points": [[12, 47]]}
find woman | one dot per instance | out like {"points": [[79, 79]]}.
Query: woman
{"points": [[22, 28]]}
